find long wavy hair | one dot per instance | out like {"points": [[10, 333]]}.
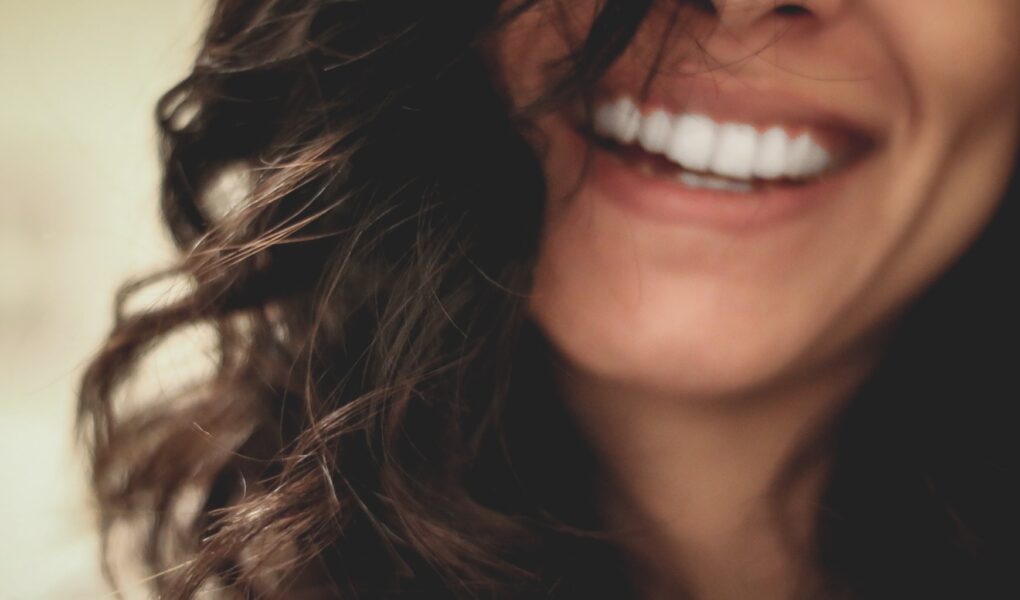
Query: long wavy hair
{"points": [[358, 211]]}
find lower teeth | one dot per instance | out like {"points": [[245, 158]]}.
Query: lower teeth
{"points": [[709, 182], [697, 180], [701, 180]]}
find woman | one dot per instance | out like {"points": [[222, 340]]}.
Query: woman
{"points": [[589, 299]]}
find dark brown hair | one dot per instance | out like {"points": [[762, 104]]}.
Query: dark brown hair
{"points": [[358, 213]]}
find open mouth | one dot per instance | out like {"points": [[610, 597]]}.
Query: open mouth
{"points": [[733, 162], [659, 166], [698, 152]]}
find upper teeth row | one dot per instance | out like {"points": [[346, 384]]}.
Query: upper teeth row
{"points": [[698, 143]]}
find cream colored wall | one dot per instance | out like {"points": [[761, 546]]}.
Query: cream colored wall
{"points": [[78, 80]]}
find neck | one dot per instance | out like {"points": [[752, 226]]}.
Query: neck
{"points": [[691, 486]]}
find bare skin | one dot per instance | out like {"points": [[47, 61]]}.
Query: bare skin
{"points": [[689, 488], [697, 358]]}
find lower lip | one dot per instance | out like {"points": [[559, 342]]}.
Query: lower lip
{"points": [[671, 202]]}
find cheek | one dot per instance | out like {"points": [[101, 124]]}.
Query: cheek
{"points": [[960, 64], [960, 58]]}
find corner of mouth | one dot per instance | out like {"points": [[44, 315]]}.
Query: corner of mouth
{"points": [[812, 147]]}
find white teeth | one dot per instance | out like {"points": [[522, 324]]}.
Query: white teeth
{"points": [[656, 129], [629, 120], [714, 183], [805, 158], [693, 142], [620, 120], [797, 156], [697, 143], [734, 154], [819, 159], [770, 161]]}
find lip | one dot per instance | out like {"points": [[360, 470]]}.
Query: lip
{"points": [[753, 103], [852, 129], [665, 201]]}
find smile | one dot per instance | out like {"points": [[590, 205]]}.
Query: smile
{"points": [[728, 156], [703, 162]]}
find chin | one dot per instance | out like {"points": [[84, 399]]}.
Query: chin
{"points": [[699, 357]]}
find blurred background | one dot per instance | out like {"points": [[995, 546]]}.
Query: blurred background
{"points": [[78, 215]]}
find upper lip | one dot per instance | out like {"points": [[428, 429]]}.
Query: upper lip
{"points": [[727, 99]]}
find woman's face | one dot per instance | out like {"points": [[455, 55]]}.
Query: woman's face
{"points": [[910, 110]]}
